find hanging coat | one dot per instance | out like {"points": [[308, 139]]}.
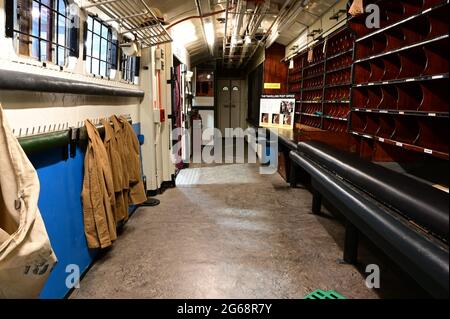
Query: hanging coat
{"points": [[119, 134], [98, 193], [137, 194], [112, 148], [26, 255]]}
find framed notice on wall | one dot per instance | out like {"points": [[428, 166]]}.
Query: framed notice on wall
{"points": [[277, 111]]}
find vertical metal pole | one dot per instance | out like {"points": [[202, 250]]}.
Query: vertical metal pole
{"points": [[351, 243], [316, 202]]}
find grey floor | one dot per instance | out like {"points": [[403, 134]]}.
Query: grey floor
{"points": [[228, 232]]}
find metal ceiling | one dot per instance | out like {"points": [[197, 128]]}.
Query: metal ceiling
{"points": [[255, 20]]}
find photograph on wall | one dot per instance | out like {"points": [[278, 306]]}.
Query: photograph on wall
{"points": [[277, 111]]}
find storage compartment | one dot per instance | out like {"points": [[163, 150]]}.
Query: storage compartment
{"points": [[379, 44], [431, 3], [412, 7], [434, 134], [360, 97], [387, 126], [438, 21], [337, 126], [407, 129], [365, 123], [363, 49], [315, 70], [389, 97], [376, 70], [413, 62], [311, 121], [362, 72], [338, 77], [392, 67], [394, 11], [416, 30], [437, 57], [311, 108], [410, 96], [375, 97], [340, 110], [315, 95], [339, 62], [435, 96], [395, 38], [337, 93]]}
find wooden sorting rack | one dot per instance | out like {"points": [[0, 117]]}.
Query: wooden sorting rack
{"points": [[400, 77], [322, 87]]}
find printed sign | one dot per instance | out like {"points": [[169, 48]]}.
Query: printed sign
{"points": [[277, 111], [272, 86]]}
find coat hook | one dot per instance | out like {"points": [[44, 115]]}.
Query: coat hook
{"points": [[20, 132]]}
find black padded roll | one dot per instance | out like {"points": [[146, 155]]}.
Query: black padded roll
{"points": [[422, 203]]}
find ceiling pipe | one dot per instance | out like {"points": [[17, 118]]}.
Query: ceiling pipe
{"points": [[259, 16], [225, 31], [241, 5], [282, 14], [199, 11]]}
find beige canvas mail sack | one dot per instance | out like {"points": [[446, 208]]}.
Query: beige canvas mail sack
{"points": [[26, 256], [357, 8]]}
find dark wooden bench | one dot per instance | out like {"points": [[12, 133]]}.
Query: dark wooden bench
{"points": [[406, 218]]}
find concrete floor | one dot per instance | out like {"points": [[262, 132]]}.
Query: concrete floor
{"points": [[228, 232]]}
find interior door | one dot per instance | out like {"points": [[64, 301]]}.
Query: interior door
{"points": [[229, 104], [235, 104], [224, 102]]}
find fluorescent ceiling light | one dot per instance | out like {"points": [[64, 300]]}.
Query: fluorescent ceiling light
{"points": [[184, 33], [234, 40], [209, 32]]}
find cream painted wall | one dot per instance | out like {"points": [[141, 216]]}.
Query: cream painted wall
{"points": [[33, 109]]}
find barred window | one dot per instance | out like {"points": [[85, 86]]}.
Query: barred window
{"points": [[100, 48], [40, 29]]}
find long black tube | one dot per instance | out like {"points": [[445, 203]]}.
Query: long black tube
{"points": [[14, 80]]}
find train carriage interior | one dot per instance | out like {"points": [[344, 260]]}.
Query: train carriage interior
{"points": [[224, 149]]}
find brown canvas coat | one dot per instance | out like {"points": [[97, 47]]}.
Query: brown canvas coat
{"points": [[112, 142], [128, 148], [98, 193], [137, 194]]}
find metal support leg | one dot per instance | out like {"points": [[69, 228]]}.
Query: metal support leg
{"points": [[293, 175], [351, 243], [287, 164], [316, 202]]}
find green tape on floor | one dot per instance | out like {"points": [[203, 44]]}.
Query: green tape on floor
{"points": [[320, 294]]}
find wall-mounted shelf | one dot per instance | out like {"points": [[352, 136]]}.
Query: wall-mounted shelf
{"points": [[406, 146], [406, 112], [135, 18]]}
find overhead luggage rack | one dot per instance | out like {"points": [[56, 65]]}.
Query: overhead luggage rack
{"points": [[134, 17]]}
